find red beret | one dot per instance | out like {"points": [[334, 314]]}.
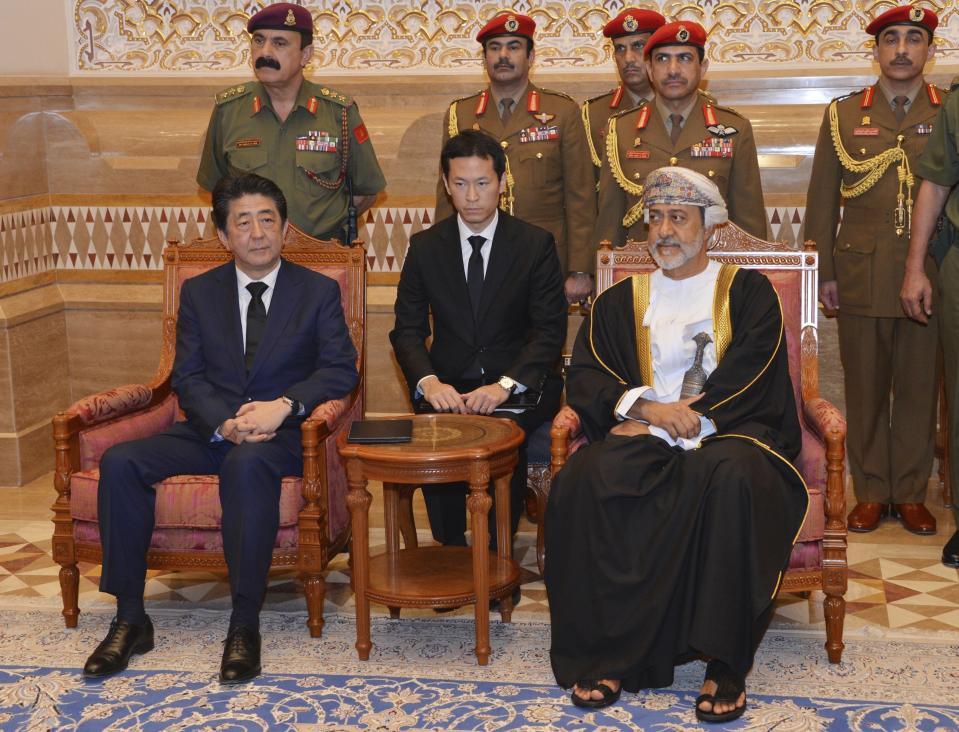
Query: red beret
{"points": [[633, 20], [508, 24], [904, 15], [677, 33], [282, 16]]}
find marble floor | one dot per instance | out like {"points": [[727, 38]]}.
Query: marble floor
{"points": [[896, 581]]}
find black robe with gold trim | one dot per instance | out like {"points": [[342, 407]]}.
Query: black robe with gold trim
{"points": [[655, 555]]}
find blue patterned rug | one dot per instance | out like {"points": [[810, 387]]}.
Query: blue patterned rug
{"points": [[422, 675]]}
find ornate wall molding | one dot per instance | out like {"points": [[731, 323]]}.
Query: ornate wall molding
{"points": [[427, 36]]}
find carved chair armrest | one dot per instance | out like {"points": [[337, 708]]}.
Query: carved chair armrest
{"points": [[566, 430], [826, 421], [111, 404]]}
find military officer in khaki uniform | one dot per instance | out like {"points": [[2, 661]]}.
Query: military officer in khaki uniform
{"points": [[549, 173], [681, 126], [628, 33], [307, 138], [867, 146], [935, 223]]}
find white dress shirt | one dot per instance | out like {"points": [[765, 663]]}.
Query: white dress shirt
{"points": [[678, 310]]}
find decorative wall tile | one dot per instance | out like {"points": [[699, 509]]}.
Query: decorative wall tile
{"points": [[133, 237], [427, 36]]}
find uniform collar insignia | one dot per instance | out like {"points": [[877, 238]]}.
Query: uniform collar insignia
{"points": [[722, 130]]}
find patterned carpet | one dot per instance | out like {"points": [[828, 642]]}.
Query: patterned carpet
{"points": [[900, 670]]}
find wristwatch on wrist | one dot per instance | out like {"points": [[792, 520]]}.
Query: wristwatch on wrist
{"points": [[507, 383], [296, 408]]}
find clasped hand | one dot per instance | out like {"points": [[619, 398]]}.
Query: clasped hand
{"points": [[677, 418], [255, 421], [444, 398]]}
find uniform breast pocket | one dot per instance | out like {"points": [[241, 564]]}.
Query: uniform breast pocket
{"points": [[541, 165], [247, 159], [853, 262], [312, 167], [717, 169]]}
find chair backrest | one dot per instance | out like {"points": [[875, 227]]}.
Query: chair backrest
{"points": [[346, 265], [792, 272]]}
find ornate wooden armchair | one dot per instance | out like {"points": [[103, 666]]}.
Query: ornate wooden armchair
{"points": [[314, 522], [818, 560]]}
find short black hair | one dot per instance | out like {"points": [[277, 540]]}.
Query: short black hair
{"points": [[231, 187], [306, 39], [529, 42], [473, 144]]}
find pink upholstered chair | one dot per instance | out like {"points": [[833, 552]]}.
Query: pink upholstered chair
{"points": [[818, 560], [314, 522]]}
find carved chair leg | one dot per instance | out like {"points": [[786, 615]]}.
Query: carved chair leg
{"points": [[70, 590], [405, 517], [834, 609], [314, 585], [539, 483]]}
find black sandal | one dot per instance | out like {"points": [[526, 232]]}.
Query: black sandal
{"points": [[609, 696], [729, 687]]}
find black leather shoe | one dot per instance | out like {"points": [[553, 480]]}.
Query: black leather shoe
{"points": [[241, 656], [122, 641], [950, 553]]}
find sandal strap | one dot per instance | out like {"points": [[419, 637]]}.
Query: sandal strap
{"points": [[729, 684]]}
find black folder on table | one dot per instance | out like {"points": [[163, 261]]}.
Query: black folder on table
{"points": [[371, 431]]}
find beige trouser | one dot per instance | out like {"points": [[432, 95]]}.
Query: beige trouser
{"points": [[949, 324], [889, 367]]}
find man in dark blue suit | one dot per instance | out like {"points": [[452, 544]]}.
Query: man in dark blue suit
{"points": [[494, 288], [260, 343]]}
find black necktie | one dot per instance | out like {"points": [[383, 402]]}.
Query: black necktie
{"points": [[474, 272], [255, 320]]}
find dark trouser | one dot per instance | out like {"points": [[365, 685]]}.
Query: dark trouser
{"points": [[446, 502], [949, 333], [250, 476], [889, 366]]}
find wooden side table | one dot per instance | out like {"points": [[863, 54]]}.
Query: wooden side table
{"points": [[445, 448]]}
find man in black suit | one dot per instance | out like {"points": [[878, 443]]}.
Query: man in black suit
{"points": [[494, 287], [260, 343]]}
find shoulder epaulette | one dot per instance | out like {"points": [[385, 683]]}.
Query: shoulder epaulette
{"points": [[726, 109], [234, 92], [335, 96], [468, 96], [558, 94], [709, 97], [954, 83], [600, 96], [642, 104], [848, 95]]}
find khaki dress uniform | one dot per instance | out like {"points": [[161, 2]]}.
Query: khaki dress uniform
{"points": [[552, 183], [308, 156], [890, 446], [596, 114], [940, 164], [714, 141]]}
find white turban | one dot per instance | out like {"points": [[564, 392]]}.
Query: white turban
{"points": [[686, 187]]}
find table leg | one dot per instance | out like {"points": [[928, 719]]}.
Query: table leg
{"points": [[390, 510], [358, 500], [479, 502], [504, 542]]}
